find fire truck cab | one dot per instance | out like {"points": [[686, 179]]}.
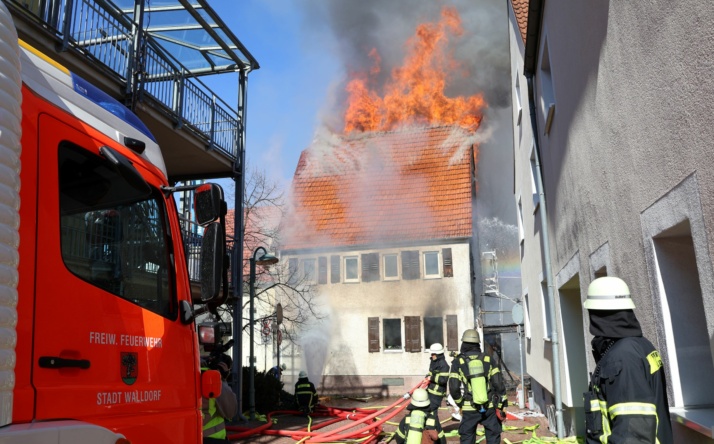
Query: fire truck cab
{"points": [[106, 349]]}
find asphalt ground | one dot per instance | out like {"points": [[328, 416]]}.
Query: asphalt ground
{"points": [[515, 430]]}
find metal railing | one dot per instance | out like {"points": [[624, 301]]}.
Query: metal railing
{"points": [[105, 34]]}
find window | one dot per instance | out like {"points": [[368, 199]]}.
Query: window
{"points": [[351, 269], [391, 267], [292, 270], [534, 177], [431, 264], [412, 332], [448, 264], [334, 269], [547, 323], [392, 334], [322, 270], [433, 331], [373, 328], [547, 93], [113, 235], [308, 270], [452, 333], [370, 267], [410, 265]]}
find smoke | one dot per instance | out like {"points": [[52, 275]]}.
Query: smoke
{"points": [[360, 26]]}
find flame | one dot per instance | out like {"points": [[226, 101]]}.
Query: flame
{"points": [[415, 91]]}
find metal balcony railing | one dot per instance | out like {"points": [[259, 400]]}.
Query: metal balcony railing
{"points": [[106, 35]]}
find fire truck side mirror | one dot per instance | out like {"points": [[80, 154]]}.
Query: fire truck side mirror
{"points": [[212, 256], [211, 384], [208, 203]]}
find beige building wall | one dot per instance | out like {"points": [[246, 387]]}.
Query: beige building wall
{"points": [[343, 363]]}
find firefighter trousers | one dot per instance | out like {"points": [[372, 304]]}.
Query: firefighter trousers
{"points": [[472, 418]]}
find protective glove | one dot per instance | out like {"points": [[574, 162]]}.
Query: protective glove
{"points": [[501, 415]]}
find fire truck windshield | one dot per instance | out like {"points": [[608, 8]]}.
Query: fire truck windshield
{"points": [[112, 235]]}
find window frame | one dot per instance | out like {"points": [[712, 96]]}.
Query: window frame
{"points": [[436, 275], [348, 279], [396, 265]]}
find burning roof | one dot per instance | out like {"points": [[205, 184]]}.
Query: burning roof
{"points": [[367, 188]]}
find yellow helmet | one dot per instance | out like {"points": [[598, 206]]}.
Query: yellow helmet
{"points": [[609, 293], [420, 398], [471, 335]]}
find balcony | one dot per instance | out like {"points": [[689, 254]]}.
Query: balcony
{"points": [[151, 58]]}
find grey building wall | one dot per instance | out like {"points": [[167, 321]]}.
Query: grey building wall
{"points": [[628, 173]]}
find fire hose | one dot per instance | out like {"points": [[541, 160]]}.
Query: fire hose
{"points": [[371, 422]]}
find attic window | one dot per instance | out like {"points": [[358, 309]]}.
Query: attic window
{"points": [[352, 269], [391, 267], [431, 265]]}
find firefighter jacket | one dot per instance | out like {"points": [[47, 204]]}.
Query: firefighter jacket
{"points": [[627, 401], [415, 431], [305, 394], [460, 375], [438, 376]]}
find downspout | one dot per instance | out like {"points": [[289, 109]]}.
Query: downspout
{"points": [[535, 12], [560, 426]]}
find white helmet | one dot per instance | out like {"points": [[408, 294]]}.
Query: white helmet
{"points": [[420, 398], [302, 374], [609, 293], [436, 349]]}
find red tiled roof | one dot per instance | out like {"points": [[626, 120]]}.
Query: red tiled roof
{"points": [[520, 8], [378, 187]]}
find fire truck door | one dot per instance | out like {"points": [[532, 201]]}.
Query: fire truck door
{"points": [[108, 346]]}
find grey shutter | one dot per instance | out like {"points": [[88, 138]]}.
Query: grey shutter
{"points": [[292, 270], [334, 269], [452, 333], [373, 327], [322, 270], [370, 267], [410, 265]]}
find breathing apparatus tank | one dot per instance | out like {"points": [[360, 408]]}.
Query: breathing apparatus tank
{"points": [[417, 422]]}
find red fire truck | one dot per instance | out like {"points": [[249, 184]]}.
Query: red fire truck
{"points": [[94, 288]]}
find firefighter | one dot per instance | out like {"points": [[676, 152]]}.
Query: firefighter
{"points": [[627, 398], [216, 410], [421, 425], [438, 377], [305, 393], [484, 395]]}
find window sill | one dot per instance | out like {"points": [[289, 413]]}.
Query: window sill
{"points": [[698, 419], [394, 350]]}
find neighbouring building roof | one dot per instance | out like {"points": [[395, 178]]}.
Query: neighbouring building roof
{"points": [[371, 188], [520, 9]]}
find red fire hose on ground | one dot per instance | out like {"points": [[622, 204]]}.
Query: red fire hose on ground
{"points": [[365, 424]]}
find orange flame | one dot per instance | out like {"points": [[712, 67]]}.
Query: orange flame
{"points": [[415, 92]]}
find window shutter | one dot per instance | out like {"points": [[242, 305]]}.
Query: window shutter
{"points": [[448, 267], [413, 334], [292, 270], [322, 270], [452, 333], [410, 265], [335, 269], [373, 327], [370, 267]]}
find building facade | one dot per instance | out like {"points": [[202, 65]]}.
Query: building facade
{"points": [[611, 108], [381, 228]]}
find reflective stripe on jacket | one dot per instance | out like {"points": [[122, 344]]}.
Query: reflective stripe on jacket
{"points": [[431, 424], [628, 402], [460, 375], [438, 376], [214, 426]]}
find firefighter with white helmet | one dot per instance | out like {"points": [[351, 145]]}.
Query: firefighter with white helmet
{"points": [[438, 377], [627, 397], [484, 395], [421, 425]]}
